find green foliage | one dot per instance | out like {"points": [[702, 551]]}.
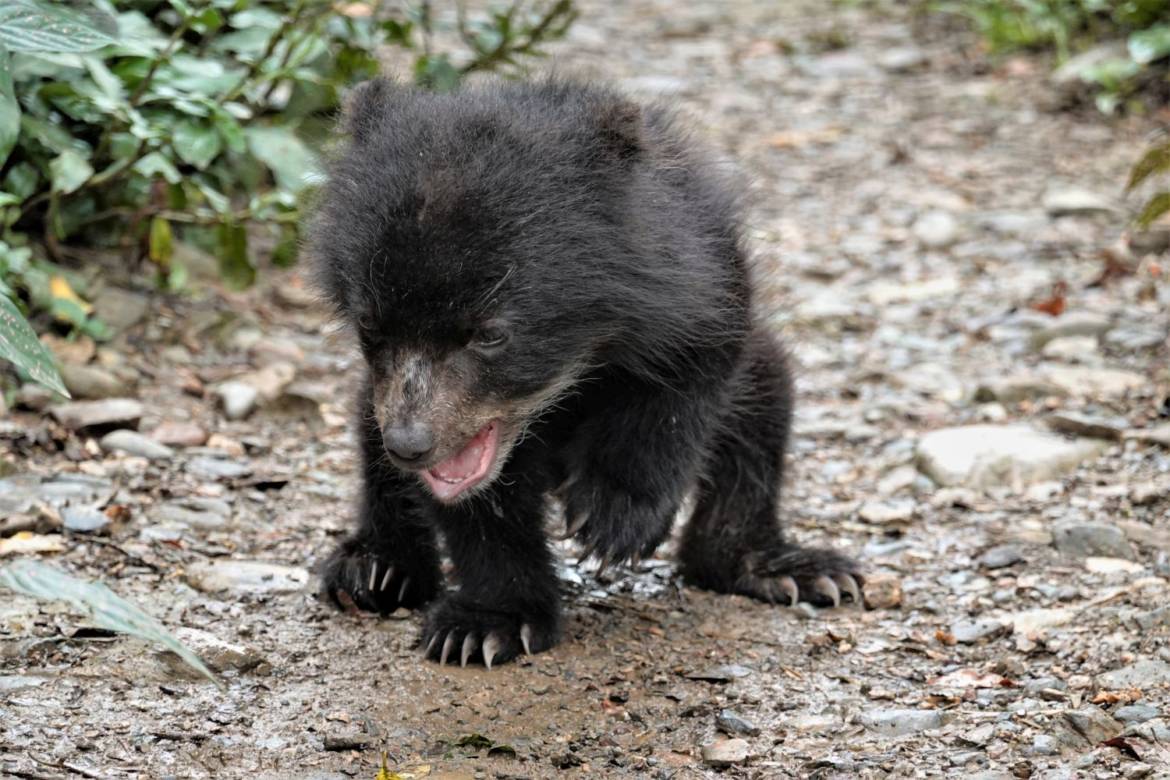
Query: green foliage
{"points": [[101, 604], [1141, 27], [1155, 162], [139, 124]]}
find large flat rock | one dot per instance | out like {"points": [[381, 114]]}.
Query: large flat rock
{"points": [[983, 456]]}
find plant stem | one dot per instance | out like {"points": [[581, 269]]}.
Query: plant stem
{"points": [[504, 50], [274, 40]]}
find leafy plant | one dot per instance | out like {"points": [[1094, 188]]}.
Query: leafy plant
{"points": [[1155, 161], [101, 604], [1141, 28], [136, 125]]}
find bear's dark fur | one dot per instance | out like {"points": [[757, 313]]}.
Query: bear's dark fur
{"points": [[550, 291]]}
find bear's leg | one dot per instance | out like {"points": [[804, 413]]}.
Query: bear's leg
{"points": [[734, 542], [508, 601], [392, 558]]}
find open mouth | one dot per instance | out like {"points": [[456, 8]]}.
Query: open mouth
{"points": [[466, 468]]}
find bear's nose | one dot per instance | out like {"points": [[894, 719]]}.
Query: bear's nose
{"points": [[409, 443]]}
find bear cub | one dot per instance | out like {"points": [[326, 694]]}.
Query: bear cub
{"points": [[549, 286]]}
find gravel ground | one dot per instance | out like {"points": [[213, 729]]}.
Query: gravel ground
{"points": [[982, 421]]}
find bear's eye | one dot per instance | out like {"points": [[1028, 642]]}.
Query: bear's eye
{"points": [[490, 337]]}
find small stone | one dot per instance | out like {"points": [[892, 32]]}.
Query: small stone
{"points": [[84, 519], [237, 399], [205, 514], [1044, 745], [267, 351], [1112, 566], [96, 415], [901, 59], [179, 434], [218, 654], [981, 456], [902, 722], [1068, 325], [1034, 622], [1136, 713], [1076, 202], [246, 577], [1014, 389], [296, 296], [885, 293], [35, 397], [1001, 556], [347, 738], [725, 673], [85, 381], [725, 752], [969, 632], [731, 722], [217, 468], [887, 512], [134, 443], [1159, 434], [1095, 383], [1093, 426], [1143, 674], [1092, 724], [882, 591], [936, 229], [120, 309], [1073, 349], [1092, 539]]}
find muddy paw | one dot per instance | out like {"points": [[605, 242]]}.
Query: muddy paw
{"points": [[358, 575], [790, 574], [456, 629]]}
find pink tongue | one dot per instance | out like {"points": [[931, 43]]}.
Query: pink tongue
{"points": [[465, 468]]}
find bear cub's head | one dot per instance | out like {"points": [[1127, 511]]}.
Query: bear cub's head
{"points": [[469, 240]]}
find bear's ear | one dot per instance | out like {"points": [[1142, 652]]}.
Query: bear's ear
{"points": [[620, 126], [364, 104]]}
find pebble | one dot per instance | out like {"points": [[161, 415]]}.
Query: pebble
{"points": [[901, 59], [1092, 724], [107, 413], [1094, 426], [902, 722], [120, 309], [237, 399], [246, 577], [1136, 713], [1076, 202], [1095, 383], [1070, 324], [1099, 565], [731, 722], [882, 591], [1001, 556], [887, 512], [1092, 539], [725, 673], [968, 632], [179, 434], [983, 456], [35, 397], [936, 229], [84, 381], [193, 512], [1073, 349], [218, 654], [1014, 389], [217, 468], [1144, 674], [725, 752], [1159, 434], [134, 443], [84, 519]]}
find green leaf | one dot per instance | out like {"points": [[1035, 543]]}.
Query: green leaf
{"points": [[162, 242], [1154, 208], [282, 151], [1146, 46], [196, 143], [156, 164], [9, 108], [436, 73], [69, 170], [235, 268], [21, 180], [29, 25], [285, 253], [19, 345], [101, 604], [1155, 160]]}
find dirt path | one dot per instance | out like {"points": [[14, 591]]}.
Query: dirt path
{"points": [[909, 205]]}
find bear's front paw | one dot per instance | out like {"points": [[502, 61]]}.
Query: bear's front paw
{"points": [[789, 573], [376, 580], [458, 628], [611, 523]]}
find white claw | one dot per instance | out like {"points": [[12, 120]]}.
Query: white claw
{"points": [[373, 576], [571, 529], [526, 638], [469, 643], [448, 644], [402, 590], [386, 578], [826, 587], [849, 585], [431, 644], [491, 646], [788, 585]]}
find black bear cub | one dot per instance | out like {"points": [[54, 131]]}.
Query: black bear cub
{"points": [[549, 286]]}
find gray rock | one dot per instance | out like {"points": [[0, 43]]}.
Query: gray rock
{"points": [[902, 722], [1073, 349], [936, 229], [201, 513], [902, 59], [19, 493], [237, 399], [107, 413], [969, 632], [1094, 426], [342, 737], [1044, 745], [246, 577], [1092, 539], [1095, 383], [731, 722], [725, 673], [1076, 202], [217, 468], [1070, 325], [1013, 389], [1093, 725], [1001, 556], [218, 654], [134, 443], [725, 752], [1159, 434], [1136, 713], [85, 381], [35, 397], [1142, 674], [179, 434], [981, 456], [120, 309], [1137, 339], [84, 519], [887, 512]]}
